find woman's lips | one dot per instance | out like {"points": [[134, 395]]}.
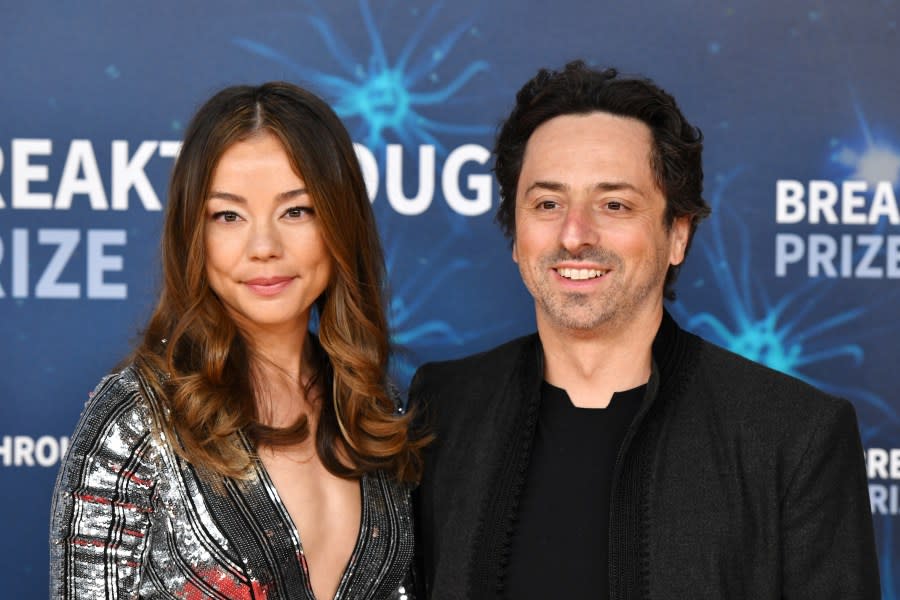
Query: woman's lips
{"points": [[268, 286]]}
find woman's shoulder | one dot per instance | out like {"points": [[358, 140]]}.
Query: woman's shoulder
{"points": [[121, 413], [115, 446], [120, 394]]}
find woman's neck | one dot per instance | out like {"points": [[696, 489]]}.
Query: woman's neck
{"points": [[282, 367]]}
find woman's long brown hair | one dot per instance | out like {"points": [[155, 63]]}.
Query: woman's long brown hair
{"points": [[208, 386]]}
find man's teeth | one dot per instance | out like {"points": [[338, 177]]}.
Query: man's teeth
{"points": [[580, 273]]}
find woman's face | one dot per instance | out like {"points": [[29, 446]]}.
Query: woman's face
{"points": [[265, 256]]}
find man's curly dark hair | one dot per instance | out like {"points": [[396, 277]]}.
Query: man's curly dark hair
{"points": [[676, 157]]}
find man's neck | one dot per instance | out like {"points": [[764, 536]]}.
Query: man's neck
{"points": [[592, 366]]}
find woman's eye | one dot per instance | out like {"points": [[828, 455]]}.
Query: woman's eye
{"points": [[296, 212], [226, 216]]}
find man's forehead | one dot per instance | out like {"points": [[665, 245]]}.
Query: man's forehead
{"points": [[597, 150], [599, 186], [612, 123]]}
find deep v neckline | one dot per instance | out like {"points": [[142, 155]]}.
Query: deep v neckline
{"points": [[364, 517]]}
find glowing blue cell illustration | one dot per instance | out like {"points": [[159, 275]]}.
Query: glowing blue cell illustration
{"points": [[378, 96], [398, 97], [878, 160], [790, 333], [415, 327]]}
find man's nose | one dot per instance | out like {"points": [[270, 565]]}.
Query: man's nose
{"points": [[579, 229]]}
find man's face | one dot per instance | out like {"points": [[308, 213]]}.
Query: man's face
{"points": [[590, 240]]}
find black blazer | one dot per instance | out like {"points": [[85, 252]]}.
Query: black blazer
{"points": [[734, 481]]}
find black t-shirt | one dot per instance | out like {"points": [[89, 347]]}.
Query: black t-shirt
{"points": [[560, 545]]}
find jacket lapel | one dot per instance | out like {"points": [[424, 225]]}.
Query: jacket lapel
{"points": [[517, 403]]}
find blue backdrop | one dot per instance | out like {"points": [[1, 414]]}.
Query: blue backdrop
{"points": [[797, 268]]}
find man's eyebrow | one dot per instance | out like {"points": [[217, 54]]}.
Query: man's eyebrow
{"points": [[603, 186], [614, 186], [553, 186]]}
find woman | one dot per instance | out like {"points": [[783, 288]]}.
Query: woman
{"points": [[237, 455]]}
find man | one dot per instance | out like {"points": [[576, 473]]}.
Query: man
{"points": [[612, 454]]}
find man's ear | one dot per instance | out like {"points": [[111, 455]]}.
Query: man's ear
{"points": [[679, 234]]}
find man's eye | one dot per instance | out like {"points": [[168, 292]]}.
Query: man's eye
{"points": [[547, 204], [226, 216], [615, 205]]}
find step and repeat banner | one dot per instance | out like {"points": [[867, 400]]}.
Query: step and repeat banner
{"points": [[797, 268]]}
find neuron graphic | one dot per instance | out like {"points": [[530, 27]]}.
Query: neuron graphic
{"points": [[381, 96], [789, 333], [879, 160], [411, 298], [385, 101]]}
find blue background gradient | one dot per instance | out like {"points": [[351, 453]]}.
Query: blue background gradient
{"points": [[788, 90]]}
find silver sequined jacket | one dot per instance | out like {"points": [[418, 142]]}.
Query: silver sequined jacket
{"points": [[132, 520]]}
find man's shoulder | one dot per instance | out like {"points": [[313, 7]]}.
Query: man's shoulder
{"points": [[481, 365], [775, 416], [739, 378], [473, 377]]}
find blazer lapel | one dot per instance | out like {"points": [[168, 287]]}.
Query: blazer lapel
{"points": [[517, 405]]}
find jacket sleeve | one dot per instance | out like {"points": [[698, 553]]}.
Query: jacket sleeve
{"points": [[828, 540], [103, 499]]}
